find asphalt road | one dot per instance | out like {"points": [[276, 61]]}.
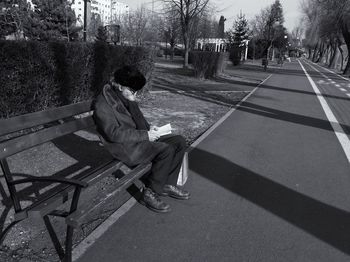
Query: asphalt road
{"points": [[271, 183]]}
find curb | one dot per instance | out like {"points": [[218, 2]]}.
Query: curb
{"points": [[222, 119]]}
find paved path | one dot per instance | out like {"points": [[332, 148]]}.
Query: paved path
{"points": [[271, 183]]}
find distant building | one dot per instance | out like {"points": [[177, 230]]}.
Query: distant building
{"points": [[109, 10], [78, 8], [214, 44], [118, 10]]}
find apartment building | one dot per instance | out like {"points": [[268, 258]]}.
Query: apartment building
{"points": [[109, 10], [119, 9]]}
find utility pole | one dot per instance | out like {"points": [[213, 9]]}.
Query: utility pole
{"points": [[85, 19]]}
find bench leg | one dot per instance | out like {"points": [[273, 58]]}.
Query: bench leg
{"points": [[64, 255], [54, 237], [69, 243], [70, 229]]}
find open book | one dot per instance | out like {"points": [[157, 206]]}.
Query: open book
{"points": [[164, 130]]}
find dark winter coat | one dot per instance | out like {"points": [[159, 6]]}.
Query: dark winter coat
{"points": [[118, 130]]}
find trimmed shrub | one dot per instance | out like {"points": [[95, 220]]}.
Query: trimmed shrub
{"points": [[235, 55], [207, 64], [40, 75]]}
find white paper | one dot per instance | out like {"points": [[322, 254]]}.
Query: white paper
{"points": [[164, 130]]}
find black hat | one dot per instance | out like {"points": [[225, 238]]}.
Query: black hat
{"points": [[130, 77]]}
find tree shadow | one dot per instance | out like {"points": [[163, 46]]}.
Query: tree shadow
{"points": [[289, 117], [175, 71], [200, 95], [287, 71], [325, 222], [283, 89]]}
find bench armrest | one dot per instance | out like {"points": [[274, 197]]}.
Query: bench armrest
{"points": [[63, 180]]}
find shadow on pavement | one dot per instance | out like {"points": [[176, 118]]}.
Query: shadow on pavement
{"points": [[301, 92], [285, 71], [290, 117], [327, 223]]}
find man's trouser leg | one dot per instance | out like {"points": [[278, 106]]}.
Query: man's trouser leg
{"points": [[166, 165], [179, 145]]}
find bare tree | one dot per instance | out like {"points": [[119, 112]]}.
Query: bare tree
{"points": [[328, 25], [133, 26], [188, 11], [171, 29], [141, 19]]}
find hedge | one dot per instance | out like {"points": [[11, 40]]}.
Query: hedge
{"points": [[40, 75], [207, 64], [235, 55]]}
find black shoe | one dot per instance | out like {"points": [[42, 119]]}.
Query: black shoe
{"points": [[175, 192], [151, 200]]}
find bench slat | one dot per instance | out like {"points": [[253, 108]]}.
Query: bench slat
{"points": [[45, 206], [22, 143], [21, 122], [77, 218]]}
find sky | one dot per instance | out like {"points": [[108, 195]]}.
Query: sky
{"points": [[231, 8]]}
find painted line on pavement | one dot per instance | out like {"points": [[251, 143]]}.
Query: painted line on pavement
{"points": [[342, 89], [213, 127], [81, 248], [348, 94], [347, 79], [197, 91], [338, 130]]}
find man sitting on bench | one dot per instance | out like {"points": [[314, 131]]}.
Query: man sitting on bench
{"points": [[129, 138]]}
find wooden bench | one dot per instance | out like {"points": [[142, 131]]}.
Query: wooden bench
{"points": [[20, 133]]}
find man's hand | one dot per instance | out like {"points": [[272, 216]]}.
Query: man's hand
{"points": [[154, 128], [153, 135]]}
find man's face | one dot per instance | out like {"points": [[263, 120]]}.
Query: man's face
{"points": [[128, 93]]}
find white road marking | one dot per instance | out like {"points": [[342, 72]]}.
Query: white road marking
{"points": [[338, 130], [342, 89], [197, 91], [347, 79], [337, 85], [348, 94]]}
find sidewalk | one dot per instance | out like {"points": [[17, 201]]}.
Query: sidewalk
{"points": [[257, 194]]}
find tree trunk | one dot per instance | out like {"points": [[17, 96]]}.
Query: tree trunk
{"points": [[315, 52], [321, 52], [186, 57], [172, 48], [172, 51], [341, 56], [332, 56], [346, 35], [187, 45]]}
